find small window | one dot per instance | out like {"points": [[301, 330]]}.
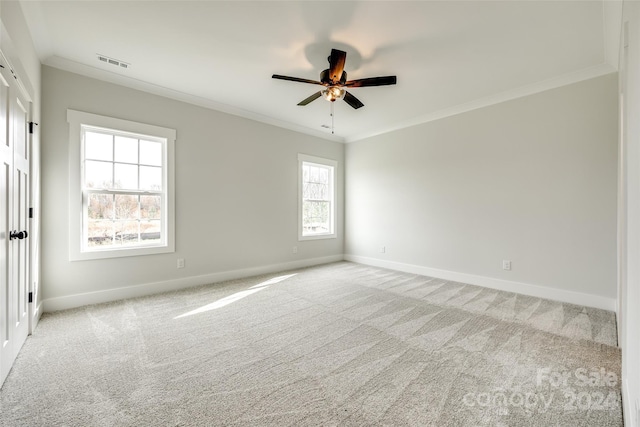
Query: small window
{"points": [[122, 187], [316, 207]]}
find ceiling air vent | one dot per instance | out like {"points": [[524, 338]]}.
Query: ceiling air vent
{"points": [[112, 61]]}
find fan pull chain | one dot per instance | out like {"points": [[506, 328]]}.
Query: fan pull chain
{"points": [[332, 114]]}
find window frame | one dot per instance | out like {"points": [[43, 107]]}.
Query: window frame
{"points": [[77, 201], [328, 163]]}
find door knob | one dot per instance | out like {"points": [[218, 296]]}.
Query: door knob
{"points": [[18, 235]]}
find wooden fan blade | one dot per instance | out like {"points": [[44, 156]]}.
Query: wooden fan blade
{"points": [[372, 81], [296, 79], [352, 100], [311, 98], [336, 64]]}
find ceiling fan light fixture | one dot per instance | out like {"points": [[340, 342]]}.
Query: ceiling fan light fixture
{"points": [[334, 87], [332, 93]]}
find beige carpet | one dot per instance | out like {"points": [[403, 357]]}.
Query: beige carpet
{"points": [[341, 344]]}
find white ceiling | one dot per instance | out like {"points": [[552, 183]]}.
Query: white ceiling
{"points": [[449, 56]]}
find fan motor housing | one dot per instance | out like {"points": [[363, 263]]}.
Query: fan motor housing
{"points": [[326, 79]]}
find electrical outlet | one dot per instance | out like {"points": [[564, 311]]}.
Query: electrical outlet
{"points": [[295, 249], [506, 264], [180, 262], [382, 249]]}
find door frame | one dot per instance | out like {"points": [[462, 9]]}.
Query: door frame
{"points": [[17, 88]]}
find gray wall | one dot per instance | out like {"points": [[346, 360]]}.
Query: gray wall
{"points": [[531, 180], [236, 190]]}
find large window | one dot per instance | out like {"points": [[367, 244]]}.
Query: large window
{"points": [[316, 209], [121, 201]]}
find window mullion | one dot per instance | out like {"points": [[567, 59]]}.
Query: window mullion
{"points": [[124, 192], [138, 166], [113, 161]]}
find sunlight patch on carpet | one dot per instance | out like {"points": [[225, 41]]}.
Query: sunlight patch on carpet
{"points": [[235, 297]]}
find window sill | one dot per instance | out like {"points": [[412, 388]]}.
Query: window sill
{"points": [[317, 237], [120, 253]]}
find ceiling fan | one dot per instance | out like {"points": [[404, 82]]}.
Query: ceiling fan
{"points": [[335, 81]]}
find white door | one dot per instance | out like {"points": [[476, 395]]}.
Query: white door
{"points": [[14, 211]]}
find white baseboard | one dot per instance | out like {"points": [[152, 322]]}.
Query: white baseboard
{"points": [[556, 294], [629, 408], [79, 300], [626, 404], [37, 314]]}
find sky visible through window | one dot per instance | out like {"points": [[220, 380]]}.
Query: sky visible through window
{"points": [[122, 162]]}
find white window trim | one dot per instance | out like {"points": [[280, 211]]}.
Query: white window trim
{"points": [[78, 118], [326, 162]]}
